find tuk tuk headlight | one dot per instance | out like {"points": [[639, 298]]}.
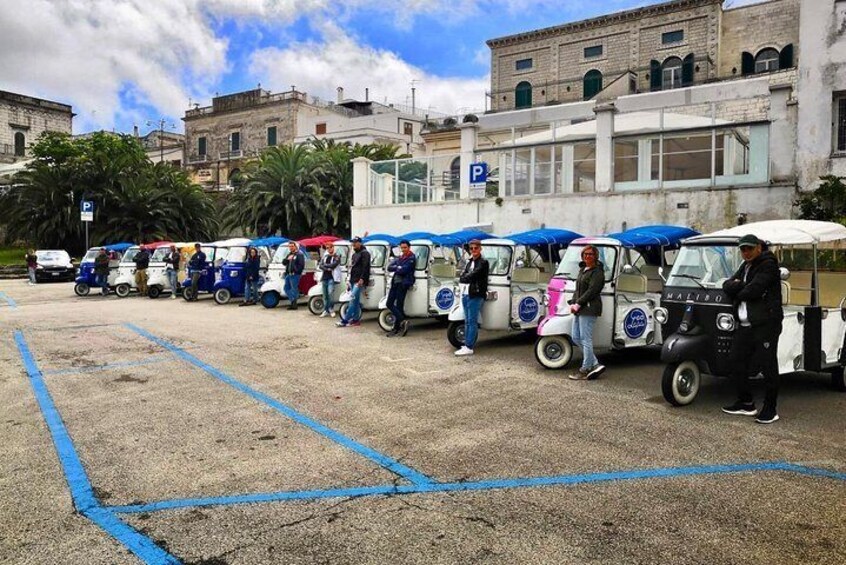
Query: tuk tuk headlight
{"points": [[660, 315], [725, 322]]}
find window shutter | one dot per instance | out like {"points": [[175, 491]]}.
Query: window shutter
{"points": [[687, 70], [747, 64], [654, 75], [785, 58]]}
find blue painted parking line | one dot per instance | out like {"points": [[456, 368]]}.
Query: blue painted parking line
{"points": [[82, 493], [484, 485], [384, 461], [814, 471], [107, 366], [8, 300]]}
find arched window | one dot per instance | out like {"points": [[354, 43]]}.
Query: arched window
{"points": [[523, 95], [455, 173], [592, 84], [671, 73], [20, 145], [766, 61]]}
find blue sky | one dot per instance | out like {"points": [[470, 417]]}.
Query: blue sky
{"points": [[123, 62]]}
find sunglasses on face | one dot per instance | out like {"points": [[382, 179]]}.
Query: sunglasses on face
{"points": [[472, 247], [588, 254]]}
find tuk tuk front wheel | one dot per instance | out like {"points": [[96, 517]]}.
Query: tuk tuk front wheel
{"points": [[837, 380], [553, 351], [345, 309], [81, 289], [316, 305], [386, 320], [455, 334], [154, 291], [187, 293], [269, 299], [222, 295], [122, 290], [680, 382]]}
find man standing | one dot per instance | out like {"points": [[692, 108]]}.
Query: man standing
{"points": [[172, 270], [196, 264], [101, 271], [403, 269], [294, 267], [31, 265], [142, 261], [330, 275], [756, 292], [474, 289], [359, 276]]}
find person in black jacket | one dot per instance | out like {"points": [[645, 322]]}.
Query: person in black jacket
{"points": [[101, 271], [142, 261], [756, 292], [294, 267], [172, 260], [474, 291], [252, 270], [359, 278], [195, 268], [586, 306]]}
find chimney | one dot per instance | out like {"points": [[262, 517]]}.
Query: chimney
{"points": [[135, 131], [367, 95], [340, 94]]}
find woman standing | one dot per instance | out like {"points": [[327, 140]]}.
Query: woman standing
{"points": [[31, 265], [251, 276], [586, 306], [330, 269]]}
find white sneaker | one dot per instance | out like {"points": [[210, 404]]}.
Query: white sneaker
{"points": [[332, 313], [323, 314], [173, 296], [463, 351]]}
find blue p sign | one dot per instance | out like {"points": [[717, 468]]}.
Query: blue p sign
{"points": [[478, 173], [86, 206]]}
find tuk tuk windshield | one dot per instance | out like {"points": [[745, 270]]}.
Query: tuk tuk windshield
{"points": [[282, 253], [377, 255], [91, 255], [569, 266], [499, 258], [704, 266], [237, 255], [343, 252], [130, 254], [421, 254], [160, 254]]}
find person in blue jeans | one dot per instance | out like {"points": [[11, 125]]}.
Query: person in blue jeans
{"points": [[586, 306], [101, 271], [403, 269], [330, 275], [172, 261], [294, 267], [473, 282], [252, 269], [359, 278]]}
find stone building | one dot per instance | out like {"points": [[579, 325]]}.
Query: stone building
{"points": [[163, 146], [24, 118], [658, 47], [221, 138]]}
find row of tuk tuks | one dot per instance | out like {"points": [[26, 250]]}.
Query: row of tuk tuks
{"points": [[663, 287]]}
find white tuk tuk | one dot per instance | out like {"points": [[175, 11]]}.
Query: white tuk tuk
{"points": [[315, 293], [379, 246]]}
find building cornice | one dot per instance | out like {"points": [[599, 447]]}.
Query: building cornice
{"points": [[615, 18]]}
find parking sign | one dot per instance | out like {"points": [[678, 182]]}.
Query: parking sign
{"points": [[478, 179], [86, 208]]}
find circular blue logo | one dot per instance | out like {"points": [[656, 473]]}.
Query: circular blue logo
{"points": [[528, 309], [635, 323], [445, 298]]}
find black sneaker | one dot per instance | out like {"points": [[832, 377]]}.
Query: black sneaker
{"points": [[403, 328], [392, 333], [595, 371], [767, 415], [741, 409]]}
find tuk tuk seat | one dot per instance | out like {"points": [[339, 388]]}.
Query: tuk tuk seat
{"points": [[785, 293], [529, 275], [634, 282], [442, 269], [832, 288], [654, 282]]}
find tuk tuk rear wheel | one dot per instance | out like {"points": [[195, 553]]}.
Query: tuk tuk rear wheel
{"points": [[316, 305], [122, 290], [269, 299], [222, 295], [553, 351], [154, 291], [680, 382], [187, 293], [837, 380], [81, 289], [455, 334], [386, 320]]}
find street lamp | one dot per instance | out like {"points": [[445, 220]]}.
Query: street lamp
{"points": [[161, 122]]}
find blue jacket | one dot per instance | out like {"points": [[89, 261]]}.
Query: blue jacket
{"points": [[251, 268], [294, 264], [197, 262], [403, 269]]}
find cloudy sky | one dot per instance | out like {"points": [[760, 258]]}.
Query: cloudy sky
{"points": [[126, 62]]}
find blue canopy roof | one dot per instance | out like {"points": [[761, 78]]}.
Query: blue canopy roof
{"points": [[272, 241], [544, 236], [461, 237], [392, 239], [416, 235], [663, 235], [118, 246]]}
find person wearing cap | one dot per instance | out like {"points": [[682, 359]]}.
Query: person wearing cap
{"points": [[473, 283], [359, 277], [172, 260], [101, 271], [756, 292], [294, 267], [142, 261], [196, 264], [403, 269]]}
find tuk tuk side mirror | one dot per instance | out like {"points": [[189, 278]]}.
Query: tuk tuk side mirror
{"points": [[783, 273], [661, 274], [520, 263], [628, 270]]}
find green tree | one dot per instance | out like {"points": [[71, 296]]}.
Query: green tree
{"points": [[826, 203]]}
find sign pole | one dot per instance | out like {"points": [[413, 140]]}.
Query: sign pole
{"points": [[86, 236]]}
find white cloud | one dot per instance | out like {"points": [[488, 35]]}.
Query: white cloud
{"points": [[339, 60]]}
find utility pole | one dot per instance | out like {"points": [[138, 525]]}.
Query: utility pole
{"points": [[161, 122], [413, 95]]}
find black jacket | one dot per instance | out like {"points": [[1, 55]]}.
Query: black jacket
{"points": [[142, 259], [173, 258], [589, 285], [476, 277], [197, 261], [761, 291], [101, 264], [294, 264], [360, 266], [252, 267]]}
